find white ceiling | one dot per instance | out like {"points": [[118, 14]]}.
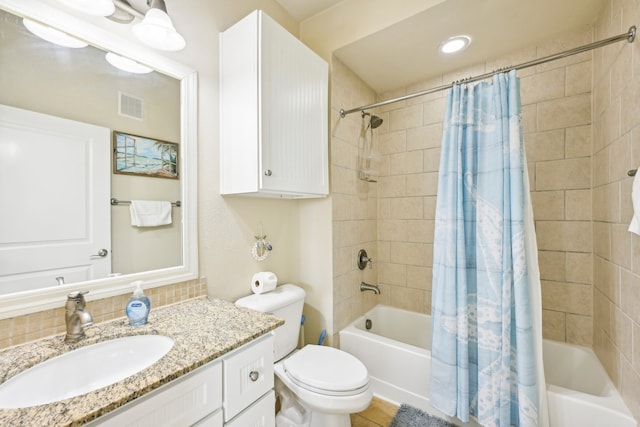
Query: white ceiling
{"points": [[407, 52]]}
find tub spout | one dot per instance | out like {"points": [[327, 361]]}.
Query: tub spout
{"points": [[367, 287]]}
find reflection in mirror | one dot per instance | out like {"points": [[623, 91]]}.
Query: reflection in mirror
{"points": [[60, 109]]}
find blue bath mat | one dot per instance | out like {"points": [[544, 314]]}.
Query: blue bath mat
{"points": [[408, 416]]}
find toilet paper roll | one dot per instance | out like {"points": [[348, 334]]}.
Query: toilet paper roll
{"points": [[264, 281]]}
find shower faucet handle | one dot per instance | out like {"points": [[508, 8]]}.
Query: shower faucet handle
{"points": [[363, 260]]}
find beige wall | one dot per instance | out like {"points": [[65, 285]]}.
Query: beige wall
{"points": [[616, 254]]}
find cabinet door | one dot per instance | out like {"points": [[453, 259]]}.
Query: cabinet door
{"points": [[213, 420], [260, 414], [248, 374], [294, 108]]}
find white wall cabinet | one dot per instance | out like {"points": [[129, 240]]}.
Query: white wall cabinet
{"points": [[235, 390], [274, 113]]}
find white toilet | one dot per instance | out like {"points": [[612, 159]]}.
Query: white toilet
{"points": [[329, 384]]}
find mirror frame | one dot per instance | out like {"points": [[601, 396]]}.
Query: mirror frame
{"points": [[20, 303]]}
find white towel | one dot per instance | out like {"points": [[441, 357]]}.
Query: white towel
{"points": [[634, 227], [150, 213]]}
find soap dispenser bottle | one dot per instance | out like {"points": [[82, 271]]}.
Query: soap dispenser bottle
{"points": [[138, 306]]}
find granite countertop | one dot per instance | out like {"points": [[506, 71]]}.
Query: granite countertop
{"points": [[203, 329]]}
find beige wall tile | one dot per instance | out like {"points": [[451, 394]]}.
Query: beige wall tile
{"points": [[564, 112], [629, 386], [406, 208], [568, 174], [621, 332], [419, 277], [578, 78], [579, 329], [407, 162], [578, 204], [636, 347], [431, 160], [548, 205], [567, 297], [621, 245], [578, 141], [542, 86], [408, 299], [630, 295], [392, 274], [424, 137], [571, 236], [543, 146], [552, 265], [553, 325], [602, 307], [424, 184], [406, 118], [579, 267]]}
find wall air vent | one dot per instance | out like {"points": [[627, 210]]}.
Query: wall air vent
{"points": [[130, 106]]}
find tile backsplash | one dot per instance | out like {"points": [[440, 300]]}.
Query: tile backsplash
{"points": [[29, 327]]}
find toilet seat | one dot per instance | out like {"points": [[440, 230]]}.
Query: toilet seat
{"points": [[327, 370]]}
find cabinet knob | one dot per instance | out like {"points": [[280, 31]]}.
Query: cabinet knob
{"points": [[268, 172], [254, 375]]}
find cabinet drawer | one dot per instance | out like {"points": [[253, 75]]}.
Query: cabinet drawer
{"points": [[248, 374], [179, 403], [260, 414]]}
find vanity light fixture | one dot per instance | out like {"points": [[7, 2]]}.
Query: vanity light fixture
{"points": [[454, 44], [126, 64], [154, 27], [52, 35], [91, 7]]}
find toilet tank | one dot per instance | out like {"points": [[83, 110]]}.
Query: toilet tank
{"points": [[285, 302]]}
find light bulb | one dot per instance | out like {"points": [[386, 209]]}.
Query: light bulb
{"points": [[126, 64], [455, 44], [52, 35], [157, 30]]}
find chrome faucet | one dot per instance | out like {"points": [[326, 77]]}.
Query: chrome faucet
{"points": [[367, 287], [76, 317]]}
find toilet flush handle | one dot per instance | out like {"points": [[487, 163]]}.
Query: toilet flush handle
{"points": [[254, 375]]}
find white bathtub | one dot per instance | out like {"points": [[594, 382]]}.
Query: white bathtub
{"points": [[396, 350]]}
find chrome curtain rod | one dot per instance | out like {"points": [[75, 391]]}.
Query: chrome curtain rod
{"points": [[116, 202], [628, 36]]}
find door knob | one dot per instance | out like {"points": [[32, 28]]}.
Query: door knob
{"points": [[101, 254]]}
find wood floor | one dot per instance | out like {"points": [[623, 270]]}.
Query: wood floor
{"points": [[378, 414]]}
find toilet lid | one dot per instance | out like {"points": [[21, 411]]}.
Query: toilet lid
{"points": [[326, 368]]}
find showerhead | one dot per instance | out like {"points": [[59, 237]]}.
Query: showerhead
{"points": [[374, 121]]}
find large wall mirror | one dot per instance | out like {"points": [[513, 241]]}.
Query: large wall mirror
{"points": [[80, 118]]}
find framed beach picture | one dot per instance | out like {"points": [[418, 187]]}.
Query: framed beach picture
{"points": [[137, 155]]}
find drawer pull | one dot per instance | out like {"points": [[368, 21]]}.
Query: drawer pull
{"points": [[254, 375]]}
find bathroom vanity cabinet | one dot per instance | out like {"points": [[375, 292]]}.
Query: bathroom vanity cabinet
{"points": [[231, 391], [273, 113]]}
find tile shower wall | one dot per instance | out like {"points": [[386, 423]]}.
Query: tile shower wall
{"points": [[354, 202], [616, 149], [556, 100], [21, 329]]}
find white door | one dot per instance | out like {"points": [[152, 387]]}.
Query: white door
{"points": [[54, 200]]}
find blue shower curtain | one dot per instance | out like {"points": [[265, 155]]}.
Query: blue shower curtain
{"points": [[483, 346]]}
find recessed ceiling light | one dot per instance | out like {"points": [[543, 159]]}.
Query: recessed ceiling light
{"points": [[455, 44]]}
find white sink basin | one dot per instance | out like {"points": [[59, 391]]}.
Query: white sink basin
{"points": [[83, 370]]}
